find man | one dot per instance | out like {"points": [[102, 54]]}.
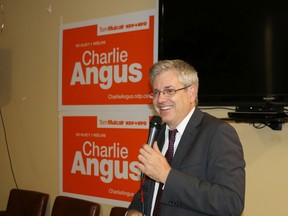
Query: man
{"points": [[206, 175]]}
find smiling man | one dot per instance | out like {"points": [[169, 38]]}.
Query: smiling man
{"points": [[196, 167]]}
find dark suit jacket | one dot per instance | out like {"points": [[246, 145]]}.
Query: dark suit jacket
{"points": [[207, 176]]}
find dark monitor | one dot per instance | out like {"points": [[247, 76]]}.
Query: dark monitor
{"points": [[239, 47]]}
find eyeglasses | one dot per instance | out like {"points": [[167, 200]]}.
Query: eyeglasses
{"points": [[166, 92]]}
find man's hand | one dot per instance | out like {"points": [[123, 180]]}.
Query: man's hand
{"points": [[153, 163]]}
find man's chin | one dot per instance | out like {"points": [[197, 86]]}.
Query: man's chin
{"points": [[166, 116]]}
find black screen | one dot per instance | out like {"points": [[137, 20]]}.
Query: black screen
{"points": [[238, 47]]}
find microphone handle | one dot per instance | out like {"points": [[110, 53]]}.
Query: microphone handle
{"points": [[152, 136]]}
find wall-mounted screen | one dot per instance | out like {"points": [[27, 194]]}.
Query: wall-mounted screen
{"points": [[239, 47]]}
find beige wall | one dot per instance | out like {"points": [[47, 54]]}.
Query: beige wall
{"points": [[31, 116]]}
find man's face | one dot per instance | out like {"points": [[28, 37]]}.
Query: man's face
{"points": [[174, 108]]}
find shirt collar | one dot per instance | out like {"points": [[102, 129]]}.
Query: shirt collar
{"points": [[181, 127]]}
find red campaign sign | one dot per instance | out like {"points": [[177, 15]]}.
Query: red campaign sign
{"points": [[101, 162], [107, 62]]}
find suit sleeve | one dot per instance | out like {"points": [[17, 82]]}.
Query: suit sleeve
{"points": [[136, 202], [147, 189], [215, 185]]}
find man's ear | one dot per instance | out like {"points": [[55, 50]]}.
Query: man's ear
{"points": [[193, 92]]}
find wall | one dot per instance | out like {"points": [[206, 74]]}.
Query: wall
{"points": [[31, 35]]}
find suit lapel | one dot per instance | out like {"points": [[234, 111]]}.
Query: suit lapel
{"points": [[187, 137]]}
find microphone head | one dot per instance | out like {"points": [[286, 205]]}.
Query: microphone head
{"points": [[156, 121], [155, 125]]}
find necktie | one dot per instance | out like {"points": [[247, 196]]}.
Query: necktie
{"points": [[169, 156]]}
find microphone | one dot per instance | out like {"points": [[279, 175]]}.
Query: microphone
{"points": [[154, 128]]}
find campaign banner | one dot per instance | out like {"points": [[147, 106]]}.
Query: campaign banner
{"points": [[98, 155], [106, 61]]}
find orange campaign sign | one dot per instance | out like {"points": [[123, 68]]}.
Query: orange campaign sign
{"points": [[106, 61], [104, 105], [99, 156]]}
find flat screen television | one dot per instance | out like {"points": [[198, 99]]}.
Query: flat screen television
{"points": [[238, 47]]}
